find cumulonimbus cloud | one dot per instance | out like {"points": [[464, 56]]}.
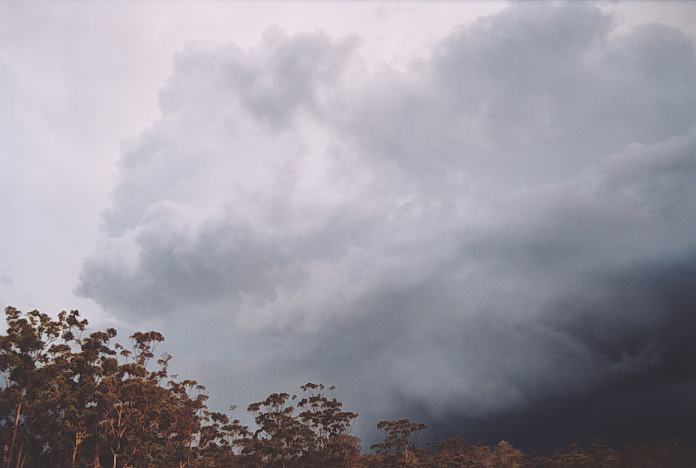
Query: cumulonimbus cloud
{"points": [[508, 221]]}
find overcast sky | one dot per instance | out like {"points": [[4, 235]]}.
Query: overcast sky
{"points": [[479, 215]]}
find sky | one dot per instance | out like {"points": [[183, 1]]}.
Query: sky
{"points": [[477, 215]]}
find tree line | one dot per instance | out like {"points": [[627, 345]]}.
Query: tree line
{"points": [[75, 398]]}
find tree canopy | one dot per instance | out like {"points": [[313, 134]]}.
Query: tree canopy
{"points": [[72, 397]]}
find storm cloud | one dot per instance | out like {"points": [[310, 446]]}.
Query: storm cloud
{"points": [[502, 228]]}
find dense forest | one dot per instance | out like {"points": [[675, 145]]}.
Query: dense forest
{"points": [[77, 398]]}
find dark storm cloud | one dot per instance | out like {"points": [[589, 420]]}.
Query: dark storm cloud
{"points": [[564, 309], [644, 315], [502, 230]]}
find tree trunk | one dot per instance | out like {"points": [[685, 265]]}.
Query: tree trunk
{"points": [[15, 428], [74, 456], [79, 437], [19, 457], [96, 463]]}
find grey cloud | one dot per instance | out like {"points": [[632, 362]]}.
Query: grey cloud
{"points": [[236, 102], [507, 223], [218, 261], [534, 89], [539, 327], [271, 81]]}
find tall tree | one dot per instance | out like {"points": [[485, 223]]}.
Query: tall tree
{"points": [[331, 443], [399, 445]]}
